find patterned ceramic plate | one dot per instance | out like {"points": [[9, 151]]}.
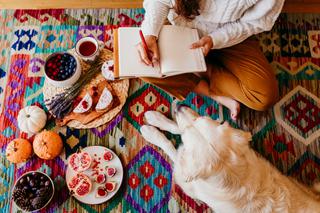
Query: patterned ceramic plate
{"points": [[100, 165]]}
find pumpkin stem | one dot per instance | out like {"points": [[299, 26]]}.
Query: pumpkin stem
{"points": [[44, 143]]}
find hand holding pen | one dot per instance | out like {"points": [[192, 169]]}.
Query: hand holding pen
{"points": [[148, 49]]}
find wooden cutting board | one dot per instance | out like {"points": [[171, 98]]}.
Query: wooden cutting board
{"points": [[91, 115]]}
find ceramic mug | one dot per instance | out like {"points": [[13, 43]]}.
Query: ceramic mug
{"points": [[87, 48]]}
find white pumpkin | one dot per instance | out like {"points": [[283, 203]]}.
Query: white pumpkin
{"points": [[31, 119]]}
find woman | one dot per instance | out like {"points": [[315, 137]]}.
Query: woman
{"points": [[237, 71]]}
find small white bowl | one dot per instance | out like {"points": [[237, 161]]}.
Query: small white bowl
{"points": [[92, 40], [52, 184], [71, 80]]}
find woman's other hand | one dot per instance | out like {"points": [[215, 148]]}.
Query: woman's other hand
{"points": [[205, 42], [153, 48]]}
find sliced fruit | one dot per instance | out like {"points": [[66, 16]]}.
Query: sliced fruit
{"points": [[108, 156], [83, 188], [110, 186], [105, 100], [80, 184], [74, 182], [80, 162], [101, 178], [101, 192], [111, 171], [84, 105]]}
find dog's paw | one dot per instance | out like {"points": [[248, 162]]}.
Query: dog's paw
{"points": [[157, 119], [152, 135], [154, 118]]}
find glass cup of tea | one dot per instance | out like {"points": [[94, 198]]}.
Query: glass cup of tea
{"points": [[87, 48]]}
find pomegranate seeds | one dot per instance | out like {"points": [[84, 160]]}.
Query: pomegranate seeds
{"points": [[80, 162], [80, 184]]}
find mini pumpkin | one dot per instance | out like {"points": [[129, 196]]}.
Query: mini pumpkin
{"points": [[18, 150], [47, 145], [31, 119]]}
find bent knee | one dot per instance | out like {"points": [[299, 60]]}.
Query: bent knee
{"points": [[267, 97]]}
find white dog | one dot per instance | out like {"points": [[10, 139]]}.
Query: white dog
{"points": [[216, 165]]}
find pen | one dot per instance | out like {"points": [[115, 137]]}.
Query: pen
{"points": [[145, 46]]}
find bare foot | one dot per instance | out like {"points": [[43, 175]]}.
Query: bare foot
{"points": [[203, 89], [231, 104]]}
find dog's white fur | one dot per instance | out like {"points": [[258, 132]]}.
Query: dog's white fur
{"points": [[216, 165]]}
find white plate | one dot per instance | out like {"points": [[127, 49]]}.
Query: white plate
{"points": [[115, 162]]}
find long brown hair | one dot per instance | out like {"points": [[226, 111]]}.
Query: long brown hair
{"points": [[188, 9]]}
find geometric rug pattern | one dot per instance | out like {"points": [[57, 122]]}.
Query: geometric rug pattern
{"points": [[288, 134]]}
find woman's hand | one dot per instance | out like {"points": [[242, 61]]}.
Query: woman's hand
{"points": [[205, 42], [153, 48]]}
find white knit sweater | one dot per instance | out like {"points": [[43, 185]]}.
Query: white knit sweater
{"points": [[228, 22]]}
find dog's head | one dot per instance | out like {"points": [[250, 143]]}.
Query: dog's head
{"points": [[208, 144]]}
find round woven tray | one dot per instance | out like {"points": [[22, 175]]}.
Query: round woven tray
{"points": [[120, 88]]}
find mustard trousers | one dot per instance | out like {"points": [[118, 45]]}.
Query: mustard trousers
{"points": [[240, 72]]}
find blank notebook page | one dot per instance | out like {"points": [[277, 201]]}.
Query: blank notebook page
{"points": [[129, 60], [175, 52]]}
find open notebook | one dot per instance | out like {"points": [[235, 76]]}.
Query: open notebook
{"points": [[175, 55]]}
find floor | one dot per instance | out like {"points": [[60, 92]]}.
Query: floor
{"points": [[292, 6]]}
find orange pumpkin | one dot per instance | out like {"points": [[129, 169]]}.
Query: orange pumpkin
{"points": [[18, 150], [47, 145]]}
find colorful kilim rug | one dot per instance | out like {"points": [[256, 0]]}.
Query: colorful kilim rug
{"points": [[287, 135]]}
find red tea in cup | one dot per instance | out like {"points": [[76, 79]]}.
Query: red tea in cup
{"points": [[87, 48]]}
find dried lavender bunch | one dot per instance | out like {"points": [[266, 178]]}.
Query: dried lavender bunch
{"points": [[61, 104]]}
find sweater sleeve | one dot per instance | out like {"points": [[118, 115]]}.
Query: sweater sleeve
{"points": [[156, 11], [260, 17]]}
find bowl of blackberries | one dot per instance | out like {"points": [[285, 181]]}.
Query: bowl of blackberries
{"points": [[33, 191], [62, 69]]}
